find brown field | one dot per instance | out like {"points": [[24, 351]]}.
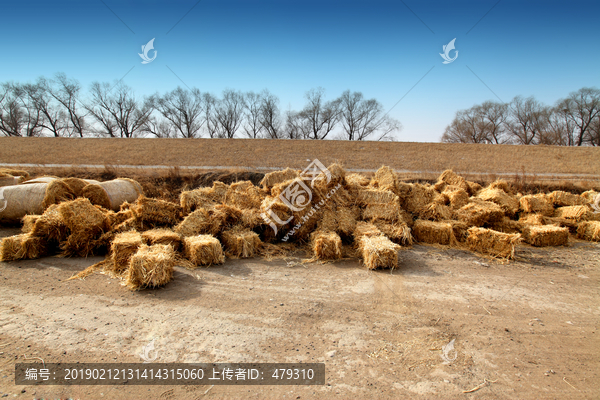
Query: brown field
{"points": [[422, 158]]}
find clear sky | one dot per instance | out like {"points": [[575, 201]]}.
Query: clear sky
{"points": [[381, 48]]}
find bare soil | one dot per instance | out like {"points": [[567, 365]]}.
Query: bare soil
{"points": [[528, 328]]}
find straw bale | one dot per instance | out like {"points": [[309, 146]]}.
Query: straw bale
{"points": [[273, 178], [326, 245], [150, 267], [436, 212], [460, 229], [385, 178], [116, 218], [451, 178], [130, 224], [370, 196], [203, 250], [163, 236], [378, 252], [570, 224], [365, 229], [9, 180], [29, 223], [241, 243], [589, 230], [275, 205], [420, 196], [337, 176], [496, 244], [478, 212], [22, 247], [96, 195], [203, 197], [50, 226], [353, 180], [229, 216], [546, 235], [508, 203], [560, 198], [156, 212], [433, 232], [403, 190], [457, 196], [506, 225], [75, 184], [474, 188], [532, 219], [198, 222], [397, 232], [14, 172], [251, 218], [56, 192], [124, 245], [589, 196], [503, 185], [382, 211], [80, 214], [244, 195], [537, 203], [576, 213], [346, 218]]}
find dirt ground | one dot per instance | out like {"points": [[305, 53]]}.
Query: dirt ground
{"points": [[527, 329]]}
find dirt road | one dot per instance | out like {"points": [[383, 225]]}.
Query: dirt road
{"points": [[529, 328]]}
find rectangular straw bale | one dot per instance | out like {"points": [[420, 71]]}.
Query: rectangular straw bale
{"points": [[398, 232], [474, 188], [81, 214], [385, 178], [203, 250], [589, 230], [561, 199], [457, 196], [273, 178], [546, 235], [589, 197], [508, 203], [382, 211], [326, 245], [117, 218], [478, 212], [22, 247], [506, 225], [420, 196], [355, 179], [501, 184], [50, 226], [460, 229], [372, 196], [241, 243], [150, 267], [576, 213], [163, 236], [537, 203], [199, 222], [532, 219], [123, 246], [346, 218], [378, 252], [29, 223], [496, 244], [570, 224], [243, 196], [436, 212], [251, 218], [433, 232], [156, 212], [365, 229], [451, 178]]}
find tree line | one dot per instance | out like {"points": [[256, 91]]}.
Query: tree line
{"points": [[59, 107], [571, 121]]}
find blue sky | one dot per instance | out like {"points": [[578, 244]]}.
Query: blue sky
{"points": [[381, 48]]}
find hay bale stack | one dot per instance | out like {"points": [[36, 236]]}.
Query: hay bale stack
{"points": [[273, 178], [28, 222], [537, 203], [96, 195], [508, 203], [326, 245], [458, 197], [84, 223], [123, 246], [22, 247], [385, 179], [241, 243], [589, 230], [203, 250], [156, 212], [198, 222], [561, 199], [57, 191], [448, 177], [163, 236], [433, 232], [496, 244], [398, 232], [150, 267], [378, 252], [479, 212], [532, 219], [575, 213], [546, 235]]}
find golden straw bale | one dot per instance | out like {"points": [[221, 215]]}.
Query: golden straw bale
{"points": [[156, 212], [370, 196], [365, 229], [56, 192], [203, 250], [150, 267], [80, 214], [275, 206], [354, 179], [273, 178], [96, 194], [503, 185], [28, 222], [589, 197], [203, 197], [576, 213], [336, 175], [346, 218], [433, 232], [478, 212], [251, 218], [385, 179], [537, 203], [403, 190], [532, 219], [241, 243], [570, 224], [474, 188], [123, 246], [381, 211], [457, 196], [76, 185], [508, 203], [420, 196], [561, 199], [546, 235], [130, 224], [198, 222], [397, 232], [589, 230], [435, 212], [50, 226], [496, 244], [506, 225], [116, 218], [460, 229], [451, 178], [22, 247], [378, 252], [163, 236], [14, 172], [326, 245], [243, 195]]}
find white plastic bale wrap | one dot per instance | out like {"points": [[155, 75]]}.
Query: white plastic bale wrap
{"points": [[19, 200], [121, 190]]}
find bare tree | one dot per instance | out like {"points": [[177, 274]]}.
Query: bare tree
{"points": [[67, 93], [183, 109], [209, 109], [19, 115], [53, 118], [229, 113], [252, 127], [526, 120], [293, 128], [594, 130], [159, 127], [362, 118], [493, 115], [318, 117], [581, 107], [117, 111], [468, 126], [270, 117]]}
